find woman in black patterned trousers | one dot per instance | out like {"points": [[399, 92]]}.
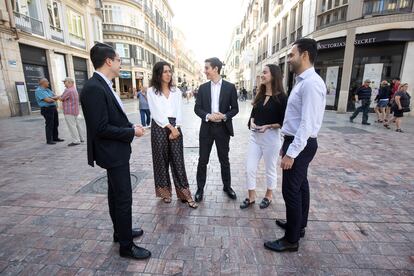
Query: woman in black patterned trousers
{"points": [[165, 103]]}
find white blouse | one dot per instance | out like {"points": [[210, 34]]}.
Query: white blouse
{"points": [[162, 107]]}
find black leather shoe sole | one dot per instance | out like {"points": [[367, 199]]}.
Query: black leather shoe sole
{"points": [[282, 224]]}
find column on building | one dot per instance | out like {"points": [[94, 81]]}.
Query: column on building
{"points": [[346, 71]]}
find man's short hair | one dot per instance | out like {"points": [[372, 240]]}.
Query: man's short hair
{"points": [[100, 52], [215, 62], [42, 80], [70, 80], [309, 45]]}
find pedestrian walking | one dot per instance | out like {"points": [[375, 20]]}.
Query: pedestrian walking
{"points": [[401, 105], [144, 109], [363, 95]]}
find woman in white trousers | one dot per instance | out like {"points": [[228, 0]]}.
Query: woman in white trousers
{"points": [[265, 122]]}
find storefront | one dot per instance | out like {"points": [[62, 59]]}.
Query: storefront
{"points": [[378, 56], [80, 68], [139, 77], [329, 66], [125, 83], [34, 68]]}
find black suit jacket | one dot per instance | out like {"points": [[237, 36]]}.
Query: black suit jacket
{"points": [[227, 105], [109, 131]]}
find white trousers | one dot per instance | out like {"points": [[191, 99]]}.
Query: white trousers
{"points": [[266, 145], [74, 128]]}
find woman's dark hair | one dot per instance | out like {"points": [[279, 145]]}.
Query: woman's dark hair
{"points": [[156, 80], [276, 84], [100, 52], [215, 62], [309, 45]]}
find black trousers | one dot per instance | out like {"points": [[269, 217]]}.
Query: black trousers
{"points": [[52, 122], [210, 133], [364, 108], [120, 203], [295, 189]]}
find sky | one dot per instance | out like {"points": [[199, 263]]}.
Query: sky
{"points": [[207, 24]]}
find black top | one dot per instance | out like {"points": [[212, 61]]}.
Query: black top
{"points": [[364, 93], [273, 112], [405, 98], [383, 93]]}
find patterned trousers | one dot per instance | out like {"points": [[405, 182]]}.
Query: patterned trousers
{"points": [[166, 153]]}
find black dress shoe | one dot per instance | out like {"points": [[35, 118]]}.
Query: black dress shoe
{"points": [[135, 252], [199, 195], [136, 232], [230, 193], [51, 143], [282, 224], [282, 245], [58, 140]]}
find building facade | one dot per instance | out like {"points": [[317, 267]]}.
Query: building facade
{"points": [[187, 71], [44, 38], [141, 32], [233, 59], [356, 40]]}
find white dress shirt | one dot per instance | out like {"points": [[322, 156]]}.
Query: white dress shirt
{"points": [[305, 109], [162, 107], [215, 95], [109, 82]]}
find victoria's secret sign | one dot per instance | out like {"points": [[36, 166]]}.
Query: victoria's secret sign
{"points": [[369, 38], [339, 44]]}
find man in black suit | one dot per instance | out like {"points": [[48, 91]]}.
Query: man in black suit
{"points": [[216, 105], [110, 134]]}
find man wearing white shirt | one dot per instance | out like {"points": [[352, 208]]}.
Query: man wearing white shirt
{"points": [[216, 105], [303, 120]]}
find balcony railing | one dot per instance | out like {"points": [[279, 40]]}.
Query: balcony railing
{"points": [[77, 41], [56, 34], [28, 24], [108, 27]]}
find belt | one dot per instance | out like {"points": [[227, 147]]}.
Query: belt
{"points": [[215, 123], [290, 138], [45, 107]]}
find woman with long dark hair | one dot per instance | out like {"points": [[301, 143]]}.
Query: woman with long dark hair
{"points": [[165, 103], [265, 122]]}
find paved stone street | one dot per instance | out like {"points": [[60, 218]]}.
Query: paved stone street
{"points": [[361, 216]]}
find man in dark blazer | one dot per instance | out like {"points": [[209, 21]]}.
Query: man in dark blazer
{"points": [[110, 134], [216, 105]]}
